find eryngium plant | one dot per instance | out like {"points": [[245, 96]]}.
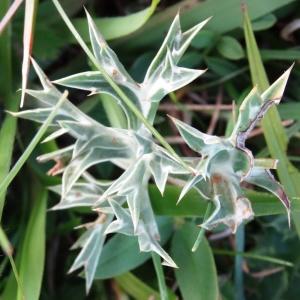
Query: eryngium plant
{"points": [[123, 205], [226, 162]]}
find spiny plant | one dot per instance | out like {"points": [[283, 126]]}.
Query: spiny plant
{"points": [[132, 149], [226, 163], [123, 205]]}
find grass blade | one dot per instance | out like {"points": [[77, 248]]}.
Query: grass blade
{"points": [[33, 247], [9, 125], [10, 13], [135, 287], [7, 138], [160, 276], [29, 22], [238, 263], [21, 161], [272, 260], [7, 248], [274, 132]]}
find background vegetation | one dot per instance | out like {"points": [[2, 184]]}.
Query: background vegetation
{"points": [[262, 259]]}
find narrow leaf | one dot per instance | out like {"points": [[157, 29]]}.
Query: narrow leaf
{"points": [[112, 262], [32, 258], [16, 168], [29, 21], [274, 132], [203, 284]]}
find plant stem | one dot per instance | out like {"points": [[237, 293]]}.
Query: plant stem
{"points": [[21, 161], [160, 276], [238, 263], [254, 256], [117, 89]]}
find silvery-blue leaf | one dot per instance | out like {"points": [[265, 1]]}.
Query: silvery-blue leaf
{"points": [[105, 55], [148, 244], [82, 194], [231, 207], [275, 91], [96, 136], [85, 160], [168, 78], [38, 115], [54, 135], [160, 173], [56, 155], [177, 41], [198, 141], [94, 82], [264, 179], [50, 95], [123, 223], [192, 183], [91, 243]]}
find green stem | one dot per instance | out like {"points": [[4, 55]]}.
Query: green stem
{"points": [[238, 263], [21, 161], [254, 256], [116, 88], [221, 80], [160, 276], [202, 230]]}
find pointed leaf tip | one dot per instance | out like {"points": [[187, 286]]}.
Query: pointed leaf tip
{"points": [[276, 90]]}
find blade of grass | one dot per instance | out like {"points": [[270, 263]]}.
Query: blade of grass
{"points": [[32, 255], [274, 132], [135, 287], [272, 260], [21, 161], [160, 276], [116, 88], [9, 125], [7, 138], [29, 22], [10, 13], [8, 250], [238, 263]]}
